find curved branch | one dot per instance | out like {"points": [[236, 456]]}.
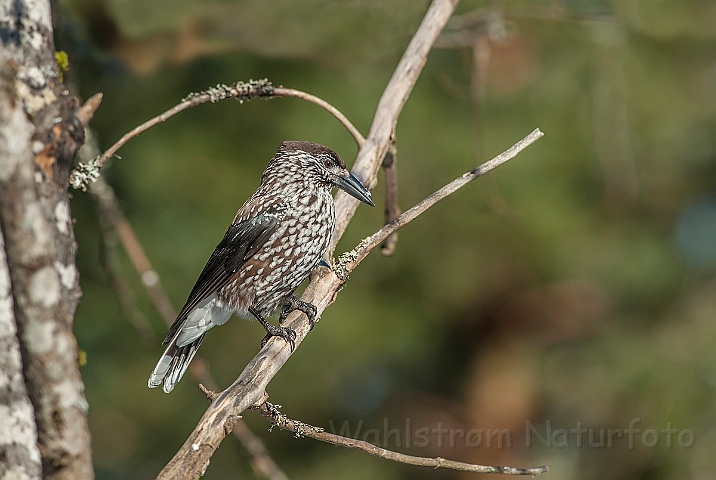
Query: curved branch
{"points": [[86, 173], [290, 92]]}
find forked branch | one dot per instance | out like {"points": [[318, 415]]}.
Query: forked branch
{"points": [[354, 257]]}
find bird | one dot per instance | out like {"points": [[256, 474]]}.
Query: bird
{"points": [[277, 237]]}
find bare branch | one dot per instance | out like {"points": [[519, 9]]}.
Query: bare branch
{"points": [[88, 172], [120, 286], [391, 103], [555, 12], [355, 256], [290, 92], [86, 112], [271, 413], [109, 208]]}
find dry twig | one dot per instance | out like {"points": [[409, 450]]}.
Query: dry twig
{"points": [[271, 413], [290, 92], [355, 256]]}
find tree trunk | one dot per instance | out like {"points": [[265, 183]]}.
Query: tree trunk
{"points": [[19, 455], [39, 134]]}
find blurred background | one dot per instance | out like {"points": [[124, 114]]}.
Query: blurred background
{"points": [[573, 288]]}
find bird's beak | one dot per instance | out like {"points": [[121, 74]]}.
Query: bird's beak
{"points": [[354, 188]]}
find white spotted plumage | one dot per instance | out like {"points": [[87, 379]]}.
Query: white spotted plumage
{"points": [[277, 237]]}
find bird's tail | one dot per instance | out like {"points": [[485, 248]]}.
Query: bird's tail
{"points": [[173, 364]]}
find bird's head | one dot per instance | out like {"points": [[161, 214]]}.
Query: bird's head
{"points": [[310, 161]]}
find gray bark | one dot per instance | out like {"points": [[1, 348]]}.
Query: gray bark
{"points": [[39, 134], [19, 455]]}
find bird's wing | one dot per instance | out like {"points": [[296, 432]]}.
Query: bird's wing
{"points": [[241, 241]]}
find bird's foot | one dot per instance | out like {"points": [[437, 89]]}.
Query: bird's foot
{"points": [[286, 333], [292, 303]]}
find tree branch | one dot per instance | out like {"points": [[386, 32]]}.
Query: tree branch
{"points": [[349, 260], [290, 92], [88, 172], [271, 413], [391, 103]]}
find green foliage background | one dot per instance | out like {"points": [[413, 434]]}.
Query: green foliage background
{"points": [[574, 285]]}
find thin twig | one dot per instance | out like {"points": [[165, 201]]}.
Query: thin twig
{"points": [[392, 210], [271, 413], [109, 209], [290, 92], [120, 286], [355, 256], [556, 12], [464, 30], [210, 394]]}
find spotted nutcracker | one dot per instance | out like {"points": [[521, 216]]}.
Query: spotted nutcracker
{"points": [[277, 237]]}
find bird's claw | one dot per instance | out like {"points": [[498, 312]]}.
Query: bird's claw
{"points": [[288, 334], [292, 303], [310, 311]]}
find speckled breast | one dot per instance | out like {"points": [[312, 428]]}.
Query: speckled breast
{"points": [[287, 258]]}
